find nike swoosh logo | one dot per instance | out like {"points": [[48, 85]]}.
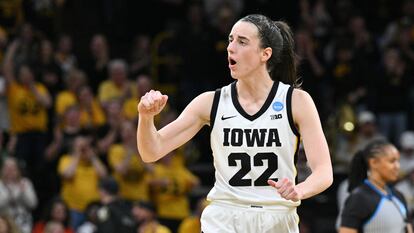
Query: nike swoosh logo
{"points": [[225, 118]]}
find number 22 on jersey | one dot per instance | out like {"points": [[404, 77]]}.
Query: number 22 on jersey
{"points": [[246, 167]]}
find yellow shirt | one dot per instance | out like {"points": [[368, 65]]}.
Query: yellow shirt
{"points": [[134, 184], [82, 189], [108, 91], [129, 109], [93, 118], [64, 100], [172, 201], [12, 12], [26, 114], [190, 225], [155, 228]]}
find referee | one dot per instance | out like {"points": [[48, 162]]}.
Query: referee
{"points": [[373, 205]]}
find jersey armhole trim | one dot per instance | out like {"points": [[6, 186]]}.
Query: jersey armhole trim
{"points": [[289, 112], [214, 107]]}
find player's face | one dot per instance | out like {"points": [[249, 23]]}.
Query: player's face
{"points": [[388, 165], [244, 51]]}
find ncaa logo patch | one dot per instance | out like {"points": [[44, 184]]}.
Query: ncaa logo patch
{"points": [[277, 106]]}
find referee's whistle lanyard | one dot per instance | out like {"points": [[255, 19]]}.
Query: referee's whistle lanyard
{"points": [[389, 196]]}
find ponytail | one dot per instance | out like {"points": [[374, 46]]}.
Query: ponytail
{"points": [[358, 170], [286, 71], [277, 36]]}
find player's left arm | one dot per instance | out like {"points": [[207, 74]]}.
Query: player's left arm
{"points": [[307, 120]]}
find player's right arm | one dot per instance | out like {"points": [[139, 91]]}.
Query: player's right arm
{"points": [[153, 144]]}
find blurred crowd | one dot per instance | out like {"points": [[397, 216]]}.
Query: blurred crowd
{"points": [[72, 73]]}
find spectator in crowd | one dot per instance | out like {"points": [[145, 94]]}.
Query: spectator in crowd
{"points": [[11, 15], [4, 115], [393, 79], [7, 225], [392, 29], [48, 73], [117, 86], [364, 45], [80, 172], [54, 227], [313, 71], [143, 84], [170, 185], [61, 144], [366, 130], [27, 48], [4, 39], [192, 224], [17, 195], [92, 114], [65, 133], [47, 69], [196, 37], [96, 66], [64, 55], [110, 132], [217, 10], [115, 213], [91, 212], [55, 211], [74, 79], [28, 101], [317, 18], [344, 72], [43, 15], [406, 187], [128, 169], [407, 153], [404, 42], [145, 216], [140, 55]]}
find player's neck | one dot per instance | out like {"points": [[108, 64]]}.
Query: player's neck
{"points": [[250, 88]]}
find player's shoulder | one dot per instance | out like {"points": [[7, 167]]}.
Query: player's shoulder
{"points": [[300, 94], [201, 105], [205, 97], [302, 104]]}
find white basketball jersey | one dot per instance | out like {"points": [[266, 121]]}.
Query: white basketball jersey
{"points": [[250, 149]]}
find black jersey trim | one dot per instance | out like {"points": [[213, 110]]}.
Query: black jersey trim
{"points": [[296, 158], [262, 110], [289, 112], [214, 107]]}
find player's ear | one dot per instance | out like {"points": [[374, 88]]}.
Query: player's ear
{"points": [[266, 54]]}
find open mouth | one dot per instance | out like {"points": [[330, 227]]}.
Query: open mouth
{"points": [[232, 62]]}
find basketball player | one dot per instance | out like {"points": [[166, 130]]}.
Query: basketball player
{"points": [[373, 205], [256, 126]]}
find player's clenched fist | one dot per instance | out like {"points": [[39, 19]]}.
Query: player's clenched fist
{"points": [[152, 103], [286, 189]]}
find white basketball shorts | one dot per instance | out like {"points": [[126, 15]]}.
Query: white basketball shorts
{"points": [[228, 218]]}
